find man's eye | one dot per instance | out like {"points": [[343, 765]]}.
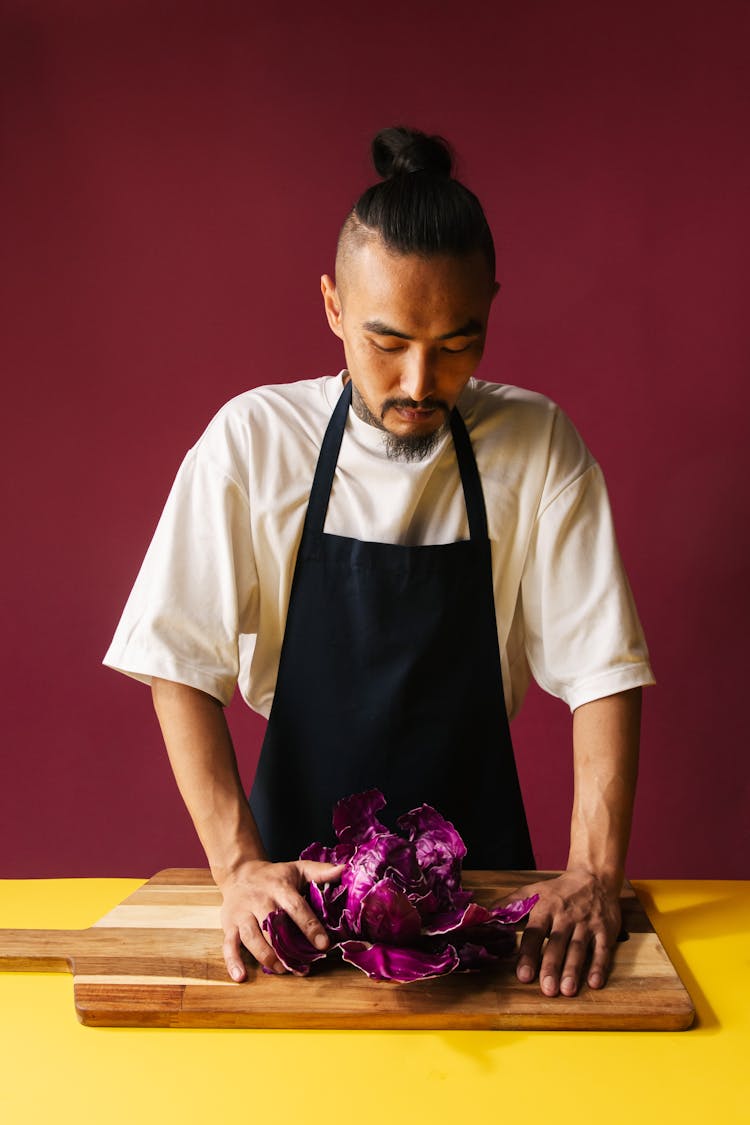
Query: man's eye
{"points": [[382, 348], [457, 351]]}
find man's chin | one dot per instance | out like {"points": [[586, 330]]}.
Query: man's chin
{"points": [[414, 445], [410, 439]]}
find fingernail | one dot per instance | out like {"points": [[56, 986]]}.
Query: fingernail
{"points": [[549, 984], [236, 973], [321, 941], [596, 980], [568, 985], [525, 973]]}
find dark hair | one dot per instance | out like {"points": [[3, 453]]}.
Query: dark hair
{"points": [[418, 208]]}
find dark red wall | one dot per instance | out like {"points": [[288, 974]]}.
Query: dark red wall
{"points": [[173, 179]]}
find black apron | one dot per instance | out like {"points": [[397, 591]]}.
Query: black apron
{"points": [[390, 678]]}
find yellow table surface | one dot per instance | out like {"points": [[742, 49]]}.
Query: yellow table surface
{"points": [[53, 1068]]}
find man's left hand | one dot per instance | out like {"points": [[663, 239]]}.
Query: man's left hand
{"points": [[578, 914]]}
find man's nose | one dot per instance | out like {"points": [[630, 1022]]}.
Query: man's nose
{"points": [[418, 376]]}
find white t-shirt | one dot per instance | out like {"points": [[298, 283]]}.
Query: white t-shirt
{"points": [[209, 605]]}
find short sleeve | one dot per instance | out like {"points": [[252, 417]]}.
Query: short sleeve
{"points": [[197, 589], [583, 636]]}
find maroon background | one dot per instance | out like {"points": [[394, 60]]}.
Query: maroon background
{"points": [[173, 180]]}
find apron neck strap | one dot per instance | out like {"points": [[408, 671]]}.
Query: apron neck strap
{"points": [[329, 454], [472, 485]]}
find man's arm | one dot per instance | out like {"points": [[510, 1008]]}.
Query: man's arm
{"points": [[579, 911], [205, 767]]}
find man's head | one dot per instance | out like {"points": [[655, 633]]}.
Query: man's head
{"points": [[415, 279]]}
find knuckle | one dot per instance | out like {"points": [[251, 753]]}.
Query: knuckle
{"points": [[533, 935], [601, 957], [231, 946], [250, 937], [309, 923], [550, 964], [260, 950], [529, 950]]}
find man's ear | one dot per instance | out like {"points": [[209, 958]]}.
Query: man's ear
{"points": [[332, 305]]}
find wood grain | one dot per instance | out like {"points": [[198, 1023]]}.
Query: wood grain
{"points": [[155, 961]]}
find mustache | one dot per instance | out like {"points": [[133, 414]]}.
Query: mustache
{"points": [[410, 404]]}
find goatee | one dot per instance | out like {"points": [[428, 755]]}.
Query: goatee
{"points": [[402, 447]]}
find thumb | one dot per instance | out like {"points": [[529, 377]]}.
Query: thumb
{"points": [[316, 872]]}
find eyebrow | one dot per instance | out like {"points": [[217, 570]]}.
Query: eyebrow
{"points": [[470, 328]]}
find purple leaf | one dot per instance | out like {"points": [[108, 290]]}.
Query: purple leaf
{"points": [[327, 900], [439, 848], [289, 944], [318, 853], [514, 911], [354, 817], [449, 920], [387, 962], [387, 916], [386, 855]]}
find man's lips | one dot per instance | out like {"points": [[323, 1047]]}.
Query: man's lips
{"points": [[414, 415], [415, 411]]}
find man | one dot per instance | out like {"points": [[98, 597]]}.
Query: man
{"points": [[378, 558]]}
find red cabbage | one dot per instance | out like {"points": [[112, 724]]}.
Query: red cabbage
{"points": [[384, 962], [399, 912], [291, 946], [387, 916]]}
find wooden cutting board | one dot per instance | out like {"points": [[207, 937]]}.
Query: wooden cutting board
{"points": [[155, 961]]}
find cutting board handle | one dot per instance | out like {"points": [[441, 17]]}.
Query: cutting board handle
{"points": [[38, 951]]}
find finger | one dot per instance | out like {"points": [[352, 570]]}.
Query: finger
{"points": [[315, 872], [552, 961], [233, 957], [306, 921], [575, 958], [601, 962], [530, 950], [255, 943]]}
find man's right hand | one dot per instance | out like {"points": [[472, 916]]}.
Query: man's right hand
{"points": [[249, 895], [200, 749]]}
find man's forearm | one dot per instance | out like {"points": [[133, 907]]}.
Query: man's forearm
{"points": [[606, 734], [205, 767], [577, 914]]}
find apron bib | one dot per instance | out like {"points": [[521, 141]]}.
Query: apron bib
{"points": [[390, 678]]}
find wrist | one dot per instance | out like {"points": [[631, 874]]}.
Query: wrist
{"points": [[238, 862], [608, 877], [231, 841], [241, 869]]}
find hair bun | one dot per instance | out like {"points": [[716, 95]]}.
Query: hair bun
{"points": [[398, 151]]}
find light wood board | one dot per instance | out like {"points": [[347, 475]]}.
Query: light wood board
{"points": [[155, 961]]}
